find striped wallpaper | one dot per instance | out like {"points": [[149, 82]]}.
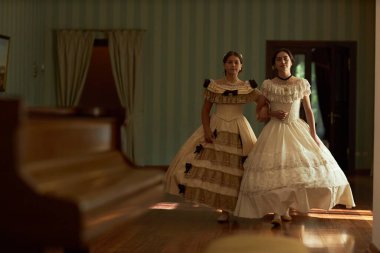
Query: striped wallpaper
{"points": [[184, 43], [23, 22]]}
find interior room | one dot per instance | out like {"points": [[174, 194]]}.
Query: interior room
{"points": [[99, 96]]}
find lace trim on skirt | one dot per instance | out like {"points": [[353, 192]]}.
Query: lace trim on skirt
{"points": [[215, 177], [286, 160], [221, 158], [228, 139]]}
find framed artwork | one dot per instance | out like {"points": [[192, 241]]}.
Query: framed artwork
{"points": [[4, 55]]}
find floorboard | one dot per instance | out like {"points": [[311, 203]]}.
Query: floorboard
{"points": [[174, 226]]}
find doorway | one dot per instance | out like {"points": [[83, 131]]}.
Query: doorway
{"points": [[330, 68], [99, 89]]}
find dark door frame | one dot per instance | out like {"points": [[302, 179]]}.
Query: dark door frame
{"points": [[304, 47]]}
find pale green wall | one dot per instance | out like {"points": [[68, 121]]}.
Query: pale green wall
{"points": [[23, 22], [184, 43]]}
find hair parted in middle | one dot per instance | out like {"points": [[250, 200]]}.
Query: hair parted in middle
{"points": [[273, 60], [234, 53], [282, 50]]}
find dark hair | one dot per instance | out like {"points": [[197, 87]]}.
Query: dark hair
{"points": [[291, 57], [234, 53], [229, 53], [282, 50]]}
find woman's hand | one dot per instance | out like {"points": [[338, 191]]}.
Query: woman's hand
{"points": [[281, 115], [209, 136], [263, 114]]}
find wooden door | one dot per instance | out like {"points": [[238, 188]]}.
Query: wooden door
{"points": [[330, 68]]}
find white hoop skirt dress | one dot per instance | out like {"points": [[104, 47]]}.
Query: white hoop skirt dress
{"points": [[286, 168]]}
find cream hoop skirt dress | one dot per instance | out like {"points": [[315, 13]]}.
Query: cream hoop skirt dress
{"points": [[286, 168], [210, 173]]}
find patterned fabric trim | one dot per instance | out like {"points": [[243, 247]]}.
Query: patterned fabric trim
{"points": [[213, 199], [241, 88], [221, 158], [231, 94], [285, 93], [228, 139], [251, 83], [214, 177], [231, 97]]}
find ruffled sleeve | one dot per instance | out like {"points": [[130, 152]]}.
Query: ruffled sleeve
{"points": [[227, 94], [285, 93], [306, 87]]}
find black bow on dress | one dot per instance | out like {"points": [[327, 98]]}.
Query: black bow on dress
{"points": [[230, 93]]}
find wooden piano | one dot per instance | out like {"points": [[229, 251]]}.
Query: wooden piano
{"points": [[64, 180]]}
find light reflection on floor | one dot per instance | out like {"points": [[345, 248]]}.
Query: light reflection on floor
{"points": [[322, 240], [332, 240], [176, 205], [165, 206], [346, 214]]}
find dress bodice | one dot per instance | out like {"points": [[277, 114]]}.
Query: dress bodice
{"points": [[286, 96], [293, 109], [229, 99], [229, 111]]}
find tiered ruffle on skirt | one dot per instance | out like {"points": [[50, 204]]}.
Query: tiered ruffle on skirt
{"points": [[286, 168], [210, 173]]}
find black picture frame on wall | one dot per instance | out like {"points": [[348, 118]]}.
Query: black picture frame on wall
{"points": [[4, 56]]}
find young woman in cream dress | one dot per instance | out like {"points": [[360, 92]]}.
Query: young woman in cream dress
{"points": [[289, 167], [209, 166]]}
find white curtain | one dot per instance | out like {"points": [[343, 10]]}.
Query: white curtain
{"points": [[74, 55], [125, 49]]}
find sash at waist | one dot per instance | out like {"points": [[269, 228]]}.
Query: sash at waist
{"points": [[228, 117]]}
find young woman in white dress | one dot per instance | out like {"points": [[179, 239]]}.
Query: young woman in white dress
{"points": [[208, 168], [289, 167]]}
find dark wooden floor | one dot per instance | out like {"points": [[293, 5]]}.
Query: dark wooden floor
{"points": [[173, 226]]}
